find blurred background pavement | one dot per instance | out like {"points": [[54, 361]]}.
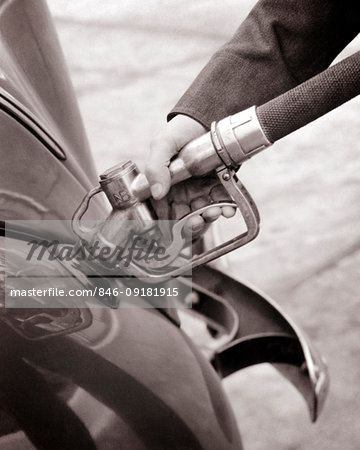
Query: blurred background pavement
{"points": [[130, 61]]}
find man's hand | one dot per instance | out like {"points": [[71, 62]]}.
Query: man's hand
{"points": [[191, 194]]}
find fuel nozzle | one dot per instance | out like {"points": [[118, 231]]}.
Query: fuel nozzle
{"points": [[117, 182], [128, 213]]}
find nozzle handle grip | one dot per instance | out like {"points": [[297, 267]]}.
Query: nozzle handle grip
{"points": [[197, 158]]}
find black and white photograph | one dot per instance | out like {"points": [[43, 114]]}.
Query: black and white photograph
{"points": [[180, 225]]}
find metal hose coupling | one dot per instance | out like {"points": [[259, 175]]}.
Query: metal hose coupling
{"points": [[238, 137]]}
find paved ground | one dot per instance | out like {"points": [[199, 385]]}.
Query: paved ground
{"points": [[130, 61]]}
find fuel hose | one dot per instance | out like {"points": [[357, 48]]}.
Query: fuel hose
{"points": [[311, 99]]}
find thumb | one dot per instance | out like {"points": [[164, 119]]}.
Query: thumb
{"points": [[178, 132], [162, 149]]}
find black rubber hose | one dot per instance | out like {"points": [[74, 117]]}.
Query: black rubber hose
{"points": [[311, 99]]}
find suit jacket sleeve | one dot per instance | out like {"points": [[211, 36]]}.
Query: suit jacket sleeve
{"points": [[279, 45]]}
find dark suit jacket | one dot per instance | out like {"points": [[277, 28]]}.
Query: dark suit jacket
{"points": [[280, 44]]}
